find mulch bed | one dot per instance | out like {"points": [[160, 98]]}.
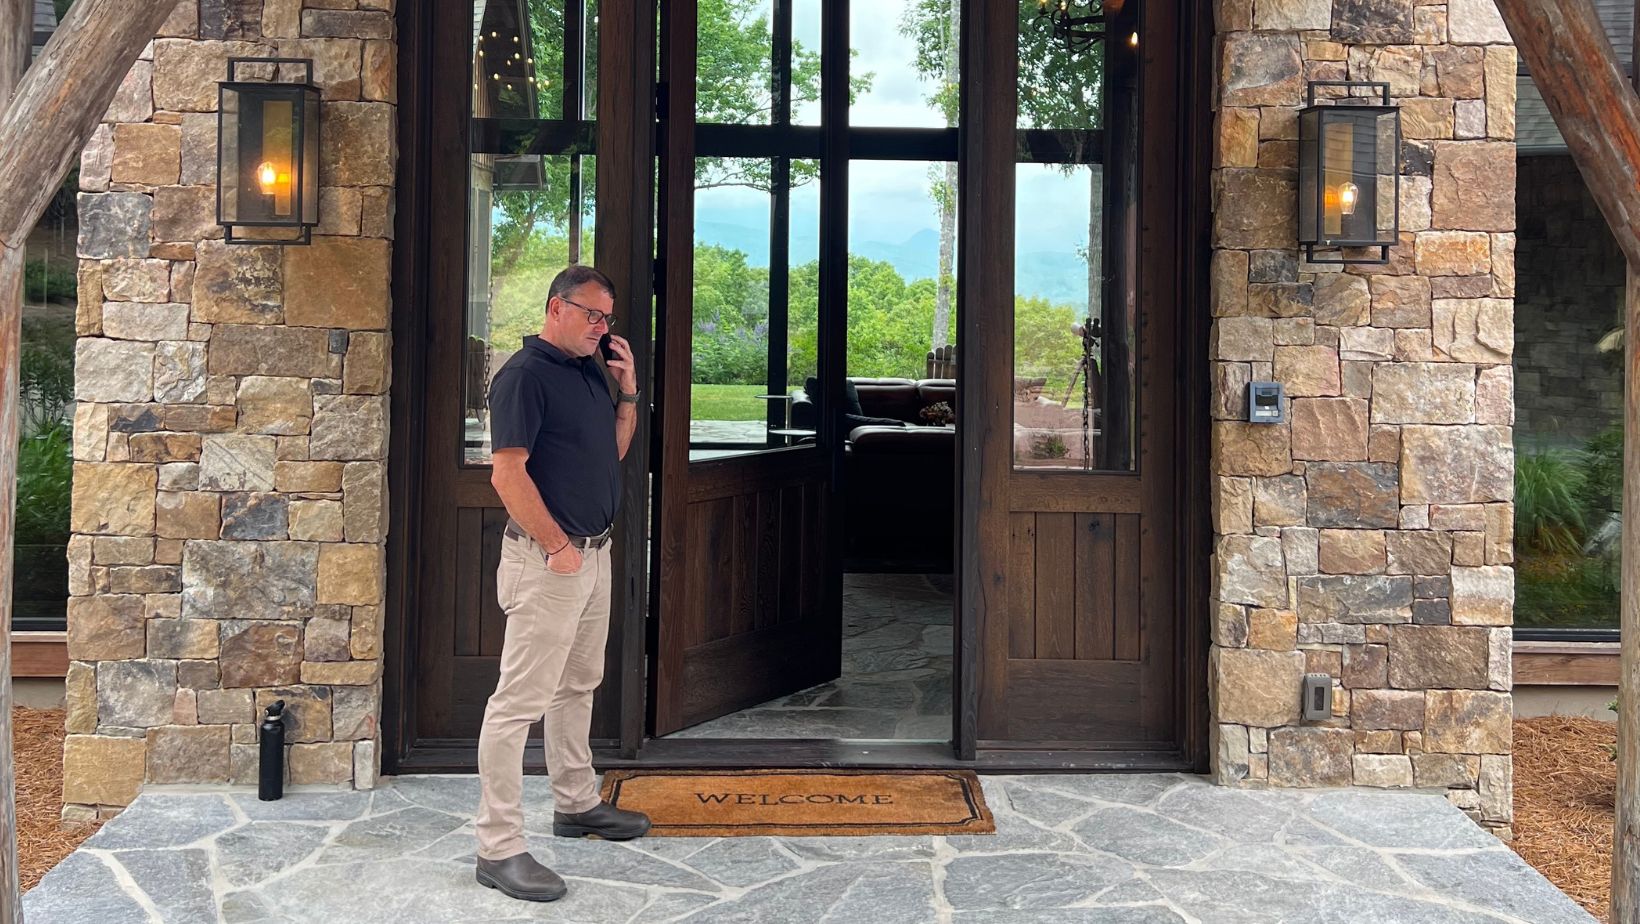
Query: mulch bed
{"points": [[1565, 783], [37, 740]]}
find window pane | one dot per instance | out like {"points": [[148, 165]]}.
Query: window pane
{"points": [[806, 62], [519, 67], [526, 225], [1073, 355], [901, 285], [1059, 87], [1568, 366], [903, 71], [734, 77]]}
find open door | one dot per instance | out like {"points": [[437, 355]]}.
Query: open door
{"points": [[748, 592]]}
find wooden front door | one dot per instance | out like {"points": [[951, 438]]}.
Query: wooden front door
{"points": [[521, 110], [748, 604], [1073, 562]]}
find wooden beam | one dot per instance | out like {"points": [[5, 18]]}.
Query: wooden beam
{"points": [[1565, 664], [16, 48], [41, 655], [1625, 904], [1573, 65], [62, 98]]}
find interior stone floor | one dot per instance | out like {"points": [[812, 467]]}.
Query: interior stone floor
{"points": [[1111, 849], [896, 681]]}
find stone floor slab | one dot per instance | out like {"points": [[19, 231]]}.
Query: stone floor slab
{"points": [[1114, 849]]}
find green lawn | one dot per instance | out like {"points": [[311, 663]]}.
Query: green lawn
{"points": [[726, 402]]}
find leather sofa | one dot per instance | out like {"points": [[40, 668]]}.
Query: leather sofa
{"points": [[899, 495]]}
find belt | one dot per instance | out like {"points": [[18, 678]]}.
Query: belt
{"points": [[581, 542]]}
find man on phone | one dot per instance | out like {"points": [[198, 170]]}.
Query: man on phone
{"points": [[558, 436]]}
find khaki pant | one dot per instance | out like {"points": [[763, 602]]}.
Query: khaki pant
{"points": [[552, 658]]}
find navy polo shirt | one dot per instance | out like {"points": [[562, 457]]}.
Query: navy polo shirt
{"points": [[559, 408]]}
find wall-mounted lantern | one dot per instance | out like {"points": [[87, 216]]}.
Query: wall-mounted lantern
{"points": [[1349, 155], [267, 160]]}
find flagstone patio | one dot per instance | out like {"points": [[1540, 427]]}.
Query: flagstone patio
{"points": [[1151, 849]]}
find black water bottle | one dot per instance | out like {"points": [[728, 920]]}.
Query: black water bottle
{"points": [[271, 735]]}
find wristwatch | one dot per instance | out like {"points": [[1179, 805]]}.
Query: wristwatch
{"points": [[632, 398]]}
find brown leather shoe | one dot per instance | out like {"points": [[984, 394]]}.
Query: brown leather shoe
{"points": [[603, 820], [522, 877]]}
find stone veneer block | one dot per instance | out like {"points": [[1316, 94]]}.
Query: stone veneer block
{"points": [[1255, 687], [1311, 756], [1467, 722], [260, 654], [1483, 596], [102, 770], [113, 498], [188, 754], [247, 580], [336, 283], [1423, 393], [1456, 465]]}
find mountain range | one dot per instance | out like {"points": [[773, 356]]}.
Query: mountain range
{"points": [[1059, 276]]}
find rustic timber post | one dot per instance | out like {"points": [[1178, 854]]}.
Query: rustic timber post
{"points": [[51, 114], [1598, 113], [16, 46]]}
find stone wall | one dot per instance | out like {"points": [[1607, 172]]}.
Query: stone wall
{"points": [[1568, 295], [230, 435], [1370, 537]]}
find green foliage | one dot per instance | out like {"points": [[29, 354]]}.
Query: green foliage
{"points": [[43, 281], [45, 477], [726, 402], [1564, 591], [1048, 446], [1549, 512], [62, 8], [1601, 462]]}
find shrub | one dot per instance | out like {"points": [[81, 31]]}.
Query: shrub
{"points": [[45, 478], [1549, 510], [43, 281]]}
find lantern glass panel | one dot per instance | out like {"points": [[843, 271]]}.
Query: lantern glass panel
{"points": [[261, 169], [307, 167], [228, 159], [1357, 204]]}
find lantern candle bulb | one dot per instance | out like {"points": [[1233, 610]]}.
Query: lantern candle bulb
{"points": [[1348, 195]]}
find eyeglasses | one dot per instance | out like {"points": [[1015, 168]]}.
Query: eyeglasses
{"points": [[593, 315]]}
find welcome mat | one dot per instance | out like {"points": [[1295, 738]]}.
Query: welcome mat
{"points": [[802, 803]]}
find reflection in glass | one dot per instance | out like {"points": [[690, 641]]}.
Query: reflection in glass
{"points": [[1060, 88], [519, 239], [1073, 354], [523, 67]]}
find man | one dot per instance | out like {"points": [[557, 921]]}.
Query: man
{"points": [[558, 437]]}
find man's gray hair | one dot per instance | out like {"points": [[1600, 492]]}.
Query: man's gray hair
{"points": [[574, 276]]}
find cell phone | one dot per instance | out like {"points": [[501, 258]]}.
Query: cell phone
{"points": [[606, 347]]}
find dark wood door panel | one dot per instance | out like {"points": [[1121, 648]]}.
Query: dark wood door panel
{"points": [[1074, 587], [750, 623]]}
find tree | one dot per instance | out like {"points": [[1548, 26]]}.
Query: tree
{"points": [[1598, 113]]}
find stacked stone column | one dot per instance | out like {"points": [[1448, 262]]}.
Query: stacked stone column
{"points": [[230, 435], [1369, 538]]}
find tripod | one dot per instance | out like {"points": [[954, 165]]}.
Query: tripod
{"points": [[1090, 332]]}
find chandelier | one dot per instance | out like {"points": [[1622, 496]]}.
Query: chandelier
{"points": [[1079, 23]]}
